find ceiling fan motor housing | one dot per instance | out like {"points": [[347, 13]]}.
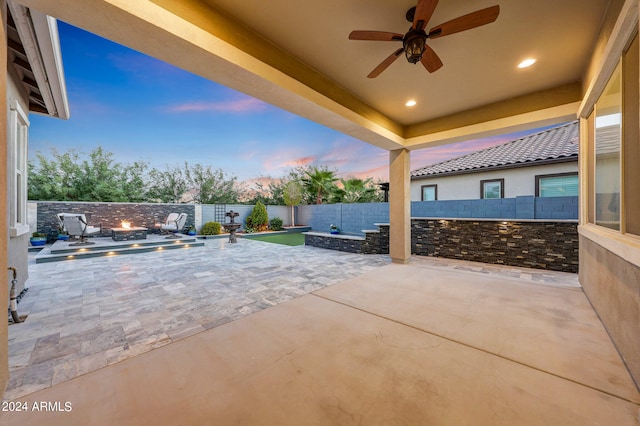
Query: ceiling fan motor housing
{"points": [[414, 42]]}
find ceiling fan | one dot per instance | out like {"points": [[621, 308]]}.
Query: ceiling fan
{"points": [[414, 41]]}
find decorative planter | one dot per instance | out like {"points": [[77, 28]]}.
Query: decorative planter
{"points": [[334, 231], [191, 232], [63, 237], [38, 241]]}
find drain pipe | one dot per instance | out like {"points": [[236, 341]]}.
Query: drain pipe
{"points": [[13, 306]]}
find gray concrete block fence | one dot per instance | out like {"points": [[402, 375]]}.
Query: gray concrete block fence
{"points": [[352, 219]]}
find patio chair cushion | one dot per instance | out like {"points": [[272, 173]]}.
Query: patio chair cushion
{"points": [[175, 222], [76, 224]]}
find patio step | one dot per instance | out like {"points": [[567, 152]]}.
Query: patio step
{"points": [[61, 250]]}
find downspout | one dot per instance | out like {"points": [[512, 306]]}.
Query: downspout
{"points": [[13, 306]]}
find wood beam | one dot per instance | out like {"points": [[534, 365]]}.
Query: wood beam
{"points": [[30, 82], [22, 64], [34, 107], [16, 47]]}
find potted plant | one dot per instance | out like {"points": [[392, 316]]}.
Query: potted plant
{"points": [[38, 239], [192, 230], [333, 229], [62, 234]]}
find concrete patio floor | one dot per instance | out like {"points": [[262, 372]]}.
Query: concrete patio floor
{"points": [[434, 342]]}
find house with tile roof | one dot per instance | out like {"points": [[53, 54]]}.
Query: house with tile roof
{"points": [[543, 164], [35, 85]]}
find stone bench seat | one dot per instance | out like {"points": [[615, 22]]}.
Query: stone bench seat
{"points": [[329, 235]]}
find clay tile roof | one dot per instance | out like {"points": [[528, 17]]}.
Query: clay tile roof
{"points": [[542, 147]]}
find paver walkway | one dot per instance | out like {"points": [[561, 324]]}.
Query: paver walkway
{"points": [[89, 313]]}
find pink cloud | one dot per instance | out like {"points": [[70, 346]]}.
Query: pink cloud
{"points": [[302, 161], [376, 173], [237, 106], [429, 156], [282, 161]]}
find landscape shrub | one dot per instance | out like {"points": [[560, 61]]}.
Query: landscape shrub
{"points": [[275, 224], [210, 228], [258, 219]]}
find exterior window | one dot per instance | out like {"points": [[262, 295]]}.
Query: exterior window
{"points": [[608, 138], [492, 188], [18, 138], [429, 192], [557, 185]]}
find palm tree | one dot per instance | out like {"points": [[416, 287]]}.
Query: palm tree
{"points": [[355, 190], [319, 182]]}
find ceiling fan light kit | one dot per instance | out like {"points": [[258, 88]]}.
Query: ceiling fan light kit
{"points": [[414, 42]]}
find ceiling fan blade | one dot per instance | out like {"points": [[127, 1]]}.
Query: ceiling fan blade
{"points": [[375, 35], [424, 11], [384, 64], [431, 60], [466, 22]]}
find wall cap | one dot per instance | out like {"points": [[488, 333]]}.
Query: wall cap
{"points": [[483, 219], [624, 246]]}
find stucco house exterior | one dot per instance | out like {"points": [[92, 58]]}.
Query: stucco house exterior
{"points": [[35, 85], [543, 164]]}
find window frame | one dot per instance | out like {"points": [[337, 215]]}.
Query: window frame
{"points": [[422, 187], [552, 175], [485, 181], [611, 180], [18, 143]]}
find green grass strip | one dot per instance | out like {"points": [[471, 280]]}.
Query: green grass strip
{"points": [[289, 239]]}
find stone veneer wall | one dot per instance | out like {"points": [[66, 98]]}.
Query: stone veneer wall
{"points": [[334, 242], [109, 215], [376, 242], [531, 244]]}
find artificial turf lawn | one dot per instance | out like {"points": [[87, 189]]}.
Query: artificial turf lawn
{"points": [[289, 239]]}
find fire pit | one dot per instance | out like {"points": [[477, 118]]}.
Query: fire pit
{"points": [[232, 227], [128, 232]]}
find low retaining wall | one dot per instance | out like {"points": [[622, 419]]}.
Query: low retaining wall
{"points": [[531, 244], [346, 243]]}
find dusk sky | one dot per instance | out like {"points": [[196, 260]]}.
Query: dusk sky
{"points": [[139, 108]]}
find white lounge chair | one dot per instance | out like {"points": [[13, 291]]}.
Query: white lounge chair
{"points": [[175, 223], [76, 226]]}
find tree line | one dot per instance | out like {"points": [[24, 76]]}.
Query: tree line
{"points": [[75, 176]]}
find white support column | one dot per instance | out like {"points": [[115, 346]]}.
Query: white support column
{"points": [[399, 206]]}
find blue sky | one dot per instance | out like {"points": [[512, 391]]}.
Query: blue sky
{"points": [[139, 108]]}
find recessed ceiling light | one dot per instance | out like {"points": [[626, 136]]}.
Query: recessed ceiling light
{"points": [[411, 103], [526, 63]]}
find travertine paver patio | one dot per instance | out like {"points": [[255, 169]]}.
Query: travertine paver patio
{"points": [[89, 313]]}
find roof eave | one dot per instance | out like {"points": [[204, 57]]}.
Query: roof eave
{"points": [[39, 35], [567, 159]]}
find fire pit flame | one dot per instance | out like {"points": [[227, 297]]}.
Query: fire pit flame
{"points": [[125, 224]]}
